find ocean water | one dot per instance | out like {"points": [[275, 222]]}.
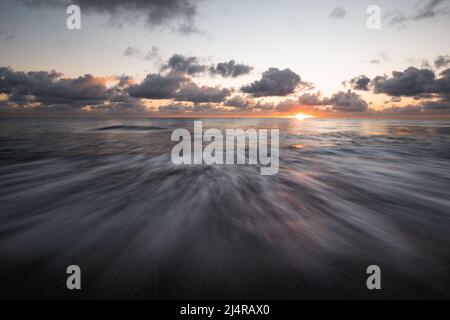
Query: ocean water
{"points": [[104, 195]]}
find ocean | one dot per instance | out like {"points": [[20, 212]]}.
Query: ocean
{"points": [[104, 195]]}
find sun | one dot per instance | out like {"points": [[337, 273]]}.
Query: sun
{"points": [[302, 116]]}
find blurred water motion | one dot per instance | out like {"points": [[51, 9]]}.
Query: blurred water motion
{"points": [[104, 195]]}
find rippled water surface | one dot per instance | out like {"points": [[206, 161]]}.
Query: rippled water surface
{"points": [[104, 195]]}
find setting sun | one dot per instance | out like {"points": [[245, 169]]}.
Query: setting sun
{"points": [[302, 116]]}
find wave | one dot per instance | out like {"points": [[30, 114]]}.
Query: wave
{"points": [[130, 128]]}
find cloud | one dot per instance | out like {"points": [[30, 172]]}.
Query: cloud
{"points": [[201, 108], [347, 102], [436, 106], [339, 102], [240, 102], [181, 64], [410, 82], [274, 82], [153, 54], [156, 86], [174, 82], [176, 86], [442, 62], [425, 64], [177, 14], [230, 69], [290, 106], [382, 56], [5, 35], [429, 10], [176, 108], [132, 52], [338, 13], [194, 93], [192, 66], [360, 83], [425, 108], [395, 110], [310, 99], [431, 92], [2, 29], [124, 81], [413, 82], [50, 88]]}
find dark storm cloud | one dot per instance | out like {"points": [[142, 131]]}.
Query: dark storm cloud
{"points": [[274, 82], [429, 10], [442, 62], [181, 64], [156, 12], [360, 83], [230, 69], [194, 93], [49, 88], [338, 13], [412, 82]]}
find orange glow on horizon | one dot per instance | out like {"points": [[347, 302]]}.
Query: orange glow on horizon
{"points": [[303, 116]]}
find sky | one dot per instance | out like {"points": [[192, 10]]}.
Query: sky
{"points": [[226, 58]]}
